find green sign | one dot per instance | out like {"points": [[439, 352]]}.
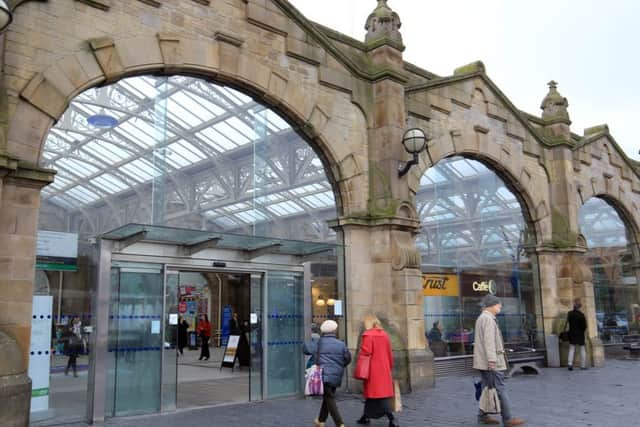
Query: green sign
{"points": [[38, 392], [53, 266]]}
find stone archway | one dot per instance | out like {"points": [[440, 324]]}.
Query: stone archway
{"points": [[47, 95]]}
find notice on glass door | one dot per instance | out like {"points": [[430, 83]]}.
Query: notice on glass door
{"points": [[155, 326]]}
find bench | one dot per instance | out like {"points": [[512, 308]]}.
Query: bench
{"points": [[633, 346], [529, 364]]}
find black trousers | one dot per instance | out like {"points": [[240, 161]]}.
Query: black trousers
{"points": [[71, 363], [204, 352], [329, 406]]}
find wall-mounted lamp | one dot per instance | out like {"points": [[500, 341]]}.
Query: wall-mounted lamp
{"points": [[320, 302], [331, 301], [414, 141], [5, 16]]}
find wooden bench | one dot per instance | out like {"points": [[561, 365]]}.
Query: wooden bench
{"points": [[633, 346], [528, 364]]}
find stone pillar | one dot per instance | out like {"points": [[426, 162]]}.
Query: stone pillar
{"points": [[15, 385], [383, 264], [564, 276], [383, 276], [20, 186]]}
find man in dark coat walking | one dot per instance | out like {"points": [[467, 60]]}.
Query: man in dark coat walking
{"points": [[577, 327]]}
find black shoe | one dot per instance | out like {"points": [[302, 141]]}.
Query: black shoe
{"points": [[364, 420], [571, 368], [393, 423]]}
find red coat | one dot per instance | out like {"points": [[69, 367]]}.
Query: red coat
{"points": [[204, 328], [375, 342]]}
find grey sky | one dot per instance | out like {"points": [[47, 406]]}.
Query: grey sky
{"points": [[591, 48]]}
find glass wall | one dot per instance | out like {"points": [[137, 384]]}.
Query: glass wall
{"points": [[615, 281], [475, 241], [175, 151]]}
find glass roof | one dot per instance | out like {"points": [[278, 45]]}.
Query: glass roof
{"points": [[469, 216], [222, 155], [181, 236]]}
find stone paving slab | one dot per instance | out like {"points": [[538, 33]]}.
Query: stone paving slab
{"points": [[604, 397]]}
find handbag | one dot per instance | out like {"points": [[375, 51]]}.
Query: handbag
{"points": [[313, 384], [363, 366], [489, 402]]}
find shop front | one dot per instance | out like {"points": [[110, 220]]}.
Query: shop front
{"points": [[475, 242]]}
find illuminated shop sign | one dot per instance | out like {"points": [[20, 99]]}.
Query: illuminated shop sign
{"points": [[440, 285], [485, 286]]}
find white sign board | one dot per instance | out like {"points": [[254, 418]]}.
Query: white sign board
{"points": [[173, 318], [39, 352], [56, 244], [337, 308], [253, 318], [155, 326], [230, 351]]}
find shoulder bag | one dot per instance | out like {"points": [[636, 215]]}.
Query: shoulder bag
{"points": [[564, 335], [363, 365], [313, 385]]}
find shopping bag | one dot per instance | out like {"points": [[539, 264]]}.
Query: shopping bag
{"points": [[397, 397], [489, 401], [363, 365], [313, 385]]}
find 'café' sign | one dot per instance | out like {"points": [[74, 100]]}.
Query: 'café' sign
{"points": [[485, 286]]}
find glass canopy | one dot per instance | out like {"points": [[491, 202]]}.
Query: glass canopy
{"points": [[191, 238]]}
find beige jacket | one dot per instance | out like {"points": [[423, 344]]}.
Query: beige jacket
{"points": [[488, 345]]}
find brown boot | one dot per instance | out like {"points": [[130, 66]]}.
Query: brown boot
{"points": [[489, 420], [514, 422]]}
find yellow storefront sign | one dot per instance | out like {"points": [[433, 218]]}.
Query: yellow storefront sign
{"points": [[440, 285]]}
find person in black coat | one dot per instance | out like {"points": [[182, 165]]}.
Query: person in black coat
{"points": [[577, 327], [183, 335]]}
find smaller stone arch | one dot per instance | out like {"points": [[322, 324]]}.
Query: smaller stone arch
{"points": [[535, 206], [624, 210]]}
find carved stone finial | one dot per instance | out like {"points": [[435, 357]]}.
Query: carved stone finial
{"points": [[383, 23], [554, 106]]}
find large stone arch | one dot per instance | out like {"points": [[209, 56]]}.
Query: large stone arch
{"points": [[309, 111], [518, 178]]}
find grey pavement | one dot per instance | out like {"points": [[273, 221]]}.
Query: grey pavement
{"points": [[603, 397]]}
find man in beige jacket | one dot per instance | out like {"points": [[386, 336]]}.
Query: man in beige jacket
{"points": [[489, 358]]}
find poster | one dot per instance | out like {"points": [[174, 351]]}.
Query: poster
{"points": [[39, 352], [56, 251]]}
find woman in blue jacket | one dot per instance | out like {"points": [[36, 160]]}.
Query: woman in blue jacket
{"points": [[333, 356]]}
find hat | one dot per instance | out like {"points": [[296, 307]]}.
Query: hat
{"points": [[328, 327], [490, 300]]}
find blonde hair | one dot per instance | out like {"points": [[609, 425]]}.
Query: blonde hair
{"points": [[370, 320]]}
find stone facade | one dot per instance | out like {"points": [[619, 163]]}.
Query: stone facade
{"points": [[352, 101]]}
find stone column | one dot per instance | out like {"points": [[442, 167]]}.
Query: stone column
{"points": [[382, 262], [20, 186]]}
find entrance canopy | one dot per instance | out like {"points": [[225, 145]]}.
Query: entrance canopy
{"points": [[197, 240]]}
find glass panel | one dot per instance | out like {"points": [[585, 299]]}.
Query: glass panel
{"points": [[615, 280], [136, 340], [255, 337], [170, 354], [285, 323], [474, 240]]}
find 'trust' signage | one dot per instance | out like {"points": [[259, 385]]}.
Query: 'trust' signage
{"points": [[440, 285]]}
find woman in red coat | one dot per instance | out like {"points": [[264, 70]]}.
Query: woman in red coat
{"points": [[378, 388], [204, 330]]}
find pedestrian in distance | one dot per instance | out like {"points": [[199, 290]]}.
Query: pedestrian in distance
{"points": [[204, 331], [577, 327], [183, 335], [378, 390], [489, 358], [333, 356], [73, 345]]}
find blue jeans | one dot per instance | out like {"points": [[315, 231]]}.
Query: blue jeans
{"points": [[498, 379]]}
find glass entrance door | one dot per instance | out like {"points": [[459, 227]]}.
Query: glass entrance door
{"points": [[135, 340]]}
